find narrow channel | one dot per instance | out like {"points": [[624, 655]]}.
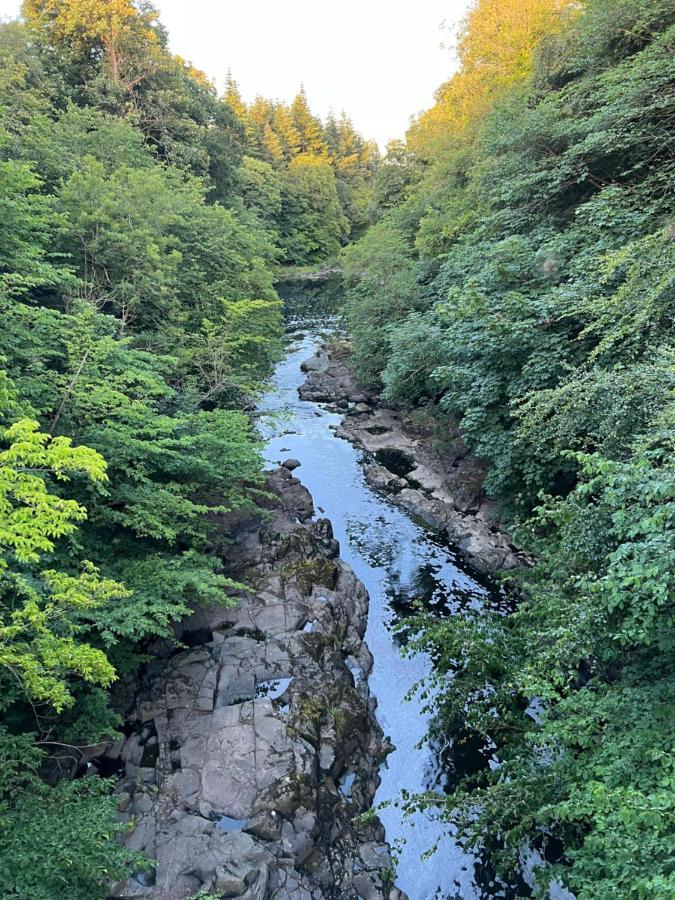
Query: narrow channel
{"points": [[399, 561]]}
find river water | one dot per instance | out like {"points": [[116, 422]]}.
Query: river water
{"points": [[398, 560]]}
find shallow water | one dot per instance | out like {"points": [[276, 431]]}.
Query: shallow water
{"points": [[398, 561]]}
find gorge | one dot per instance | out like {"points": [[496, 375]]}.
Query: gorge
{"points": [[337, 484]]}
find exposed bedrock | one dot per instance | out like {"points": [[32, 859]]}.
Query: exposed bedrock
{"points": [[443, 489], [252, 754]]}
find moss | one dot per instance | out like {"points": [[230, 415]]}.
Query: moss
{"points": [[308, 572], [311, 713]]}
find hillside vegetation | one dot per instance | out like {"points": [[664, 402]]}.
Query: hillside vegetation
{"points": [[142, 221], [520, 285]]}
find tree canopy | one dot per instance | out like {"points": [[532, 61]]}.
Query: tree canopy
{"points": [[140, 237], [531, 305]]}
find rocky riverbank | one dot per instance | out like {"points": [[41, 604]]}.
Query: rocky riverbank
{"points": [[251, 754], [445, 491]]}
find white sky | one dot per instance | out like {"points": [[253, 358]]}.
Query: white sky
{"points": [[379, 60]]}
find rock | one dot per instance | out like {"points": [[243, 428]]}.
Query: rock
{"points": [[375, 856], [329, 382], [316, 363], [291, 464], [228, 884], [243, 730], [265, 825], [446, 492], [297, 843], [132, 750], [326, 757], [382, 479]]}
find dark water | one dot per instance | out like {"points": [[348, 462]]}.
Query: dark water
{"points": [[398, 561]]}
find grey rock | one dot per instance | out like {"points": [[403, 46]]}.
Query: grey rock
{"points": [[266, 761], [227, 884]]}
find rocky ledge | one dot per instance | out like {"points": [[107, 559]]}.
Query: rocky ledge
{"points": [[251, 755], [444, 491]]}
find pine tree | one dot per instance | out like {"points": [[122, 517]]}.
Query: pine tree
{"points": [[286, 132], [274, 150], [232, 96], [309, 128]]}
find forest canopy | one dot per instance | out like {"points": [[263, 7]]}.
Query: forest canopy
{"points": [[510, 268], [143, 221], [530, 307]]}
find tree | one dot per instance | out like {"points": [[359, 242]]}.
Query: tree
{"points": [[56, 841], [110, 26], [262, 190], [383, 287], [308, 127], [496, 45], [39, 611], [540, 323], [313, 224], [399, 171]]}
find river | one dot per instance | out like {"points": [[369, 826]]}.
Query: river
{"points": [[398, 560]]}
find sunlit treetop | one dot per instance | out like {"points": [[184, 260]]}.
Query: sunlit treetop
{"points": [[495, 47], [110, 26]]}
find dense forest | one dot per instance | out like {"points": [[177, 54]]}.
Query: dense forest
{"points": [[519, 285], [142, 220], [511, 278]]}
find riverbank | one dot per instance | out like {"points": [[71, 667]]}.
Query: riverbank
{"points": [[404, 565], [445, 491], [251, 754]]}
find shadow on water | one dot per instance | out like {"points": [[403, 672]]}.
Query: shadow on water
{"points": [[401, 564]]}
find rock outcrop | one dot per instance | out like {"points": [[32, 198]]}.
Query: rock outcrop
{"points": [[445, 491], [251, 756], [330, 380]]}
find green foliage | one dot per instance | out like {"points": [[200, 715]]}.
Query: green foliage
{"points": [[27, 219], [395, 178], [541, 321], [140, 320], [39, 609], [310, 183], [384, 287], [313, 222], [57, 841], [591, 647]]}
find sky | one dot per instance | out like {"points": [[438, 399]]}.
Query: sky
{"points": [[381, 61]]}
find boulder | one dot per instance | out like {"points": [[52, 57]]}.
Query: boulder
{"points": [[291, 464]]}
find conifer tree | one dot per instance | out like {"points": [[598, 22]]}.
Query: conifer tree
{"points": [[309, 128]]}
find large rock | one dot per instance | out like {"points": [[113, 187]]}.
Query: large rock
{"points": [[330, 381], [238, 743]]}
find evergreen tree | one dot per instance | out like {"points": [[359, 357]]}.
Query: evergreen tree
{"points": [[307, 126]]}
